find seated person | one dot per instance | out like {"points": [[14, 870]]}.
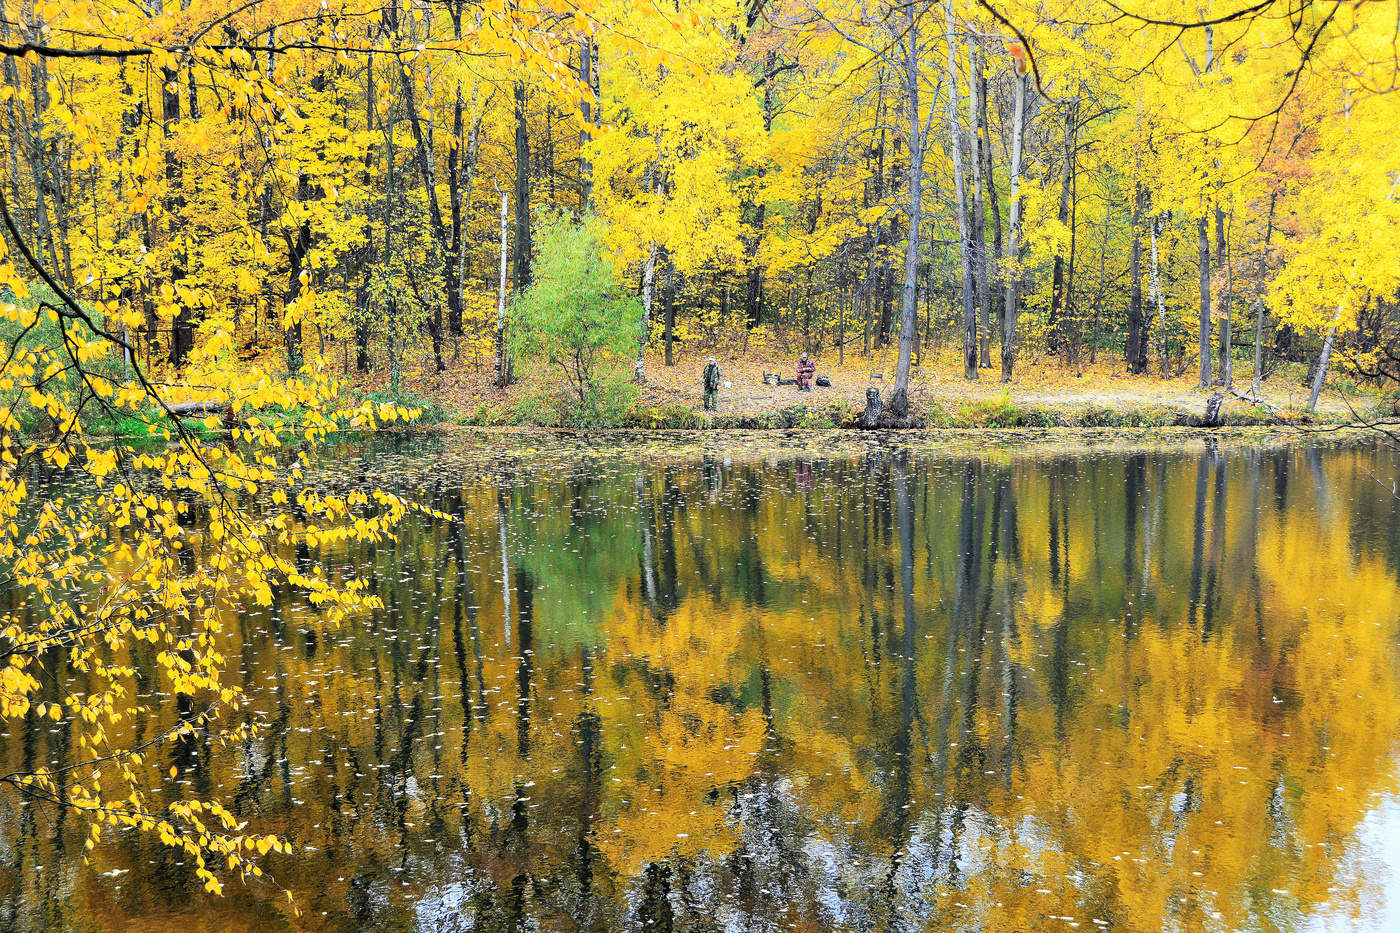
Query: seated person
{"points": [[806, 367]]}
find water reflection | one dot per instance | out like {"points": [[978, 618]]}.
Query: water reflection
{"points": [[870, 689]]}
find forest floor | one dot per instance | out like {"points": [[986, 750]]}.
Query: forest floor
{"points": [[1044, 393]]}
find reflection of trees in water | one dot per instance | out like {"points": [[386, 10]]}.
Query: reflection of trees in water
{"points": [[890, 693]]}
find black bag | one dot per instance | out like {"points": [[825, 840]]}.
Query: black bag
{"points": [[824, 381]]}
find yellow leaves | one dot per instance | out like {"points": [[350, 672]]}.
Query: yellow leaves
{"points": [[99, 463], [15, 686], [246, 284]]}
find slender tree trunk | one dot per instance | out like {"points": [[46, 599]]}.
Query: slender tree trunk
{"points": [[867, 301], [1069, 314], [14, 124], [1011, 258], [899, 398], [1203, 264], [982, 270], [841, 329], [182, 328], [427, 170], [668, 305], [1320, 373], [362, 299], [1222, 265], [522, 192], [468, 183], [1098, 295], [40, 168], [296, 271], [456, 158], [503, 374], [965, 242], [1259, 311], [995, 304], [585, 165], [1058, 297], [1137, 331], [639, 369], [1159, 298], [391, 194]]}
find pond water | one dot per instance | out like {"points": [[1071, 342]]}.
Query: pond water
{"points": [[807, 683]]}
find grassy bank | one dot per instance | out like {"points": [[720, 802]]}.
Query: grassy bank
{"points": [[1001, 412]]}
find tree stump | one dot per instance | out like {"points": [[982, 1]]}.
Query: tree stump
{"points": [[1213, 406], [874, 409]]}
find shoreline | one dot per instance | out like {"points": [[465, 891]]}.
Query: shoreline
{"points": [[1043, 397], [997, 414], [958, 442]]}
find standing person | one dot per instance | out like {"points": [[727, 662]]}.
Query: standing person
{"points": [[805, 368], [711, 379]]}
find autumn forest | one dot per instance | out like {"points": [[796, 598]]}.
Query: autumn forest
{"points": [[427, 500], [1177, 190]]}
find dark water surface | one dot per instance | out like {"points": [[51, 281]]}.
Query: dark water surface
{"points": [[836, 686]]}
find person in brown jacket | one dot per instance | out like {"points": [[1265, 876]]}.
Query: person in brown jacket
{"points": [[806, 367]]}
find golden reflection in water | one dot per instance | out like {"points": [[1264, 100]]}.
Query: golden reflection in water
{"points": [[872, 690]]}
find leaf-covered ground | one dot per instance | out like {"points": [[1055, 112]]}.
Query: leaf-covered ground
{"points": [[1045, 390]]}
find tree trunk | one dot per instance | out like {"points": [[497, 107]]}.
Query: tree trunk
{"points": [[965, 242], [1227, 369], [1137, 332], [668, 299], [1203, 265], [639, 370], [362, 297], [1320, 374], [867, 302], [296, 271], [1259, 312], [13, 122], [899, 397], [1159, 298], [502, 356], [522, 192], [753, 293], [995, 298], [455, 158], [585, 165], [982, 270], [1058, 296], [1011, 258], [427, 171], [840, 328], [459, 235], [390, 197], [182, 328]]}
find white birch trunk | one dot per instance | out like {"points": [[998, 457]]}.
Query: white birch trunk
{"points": [[502, 360], [1012, 252], [639, 369], [1158, 298], [1323, 359]]}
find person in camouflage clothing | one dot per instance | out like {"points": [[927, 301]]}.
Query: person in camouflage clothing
{"points": [[711, 379]]}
